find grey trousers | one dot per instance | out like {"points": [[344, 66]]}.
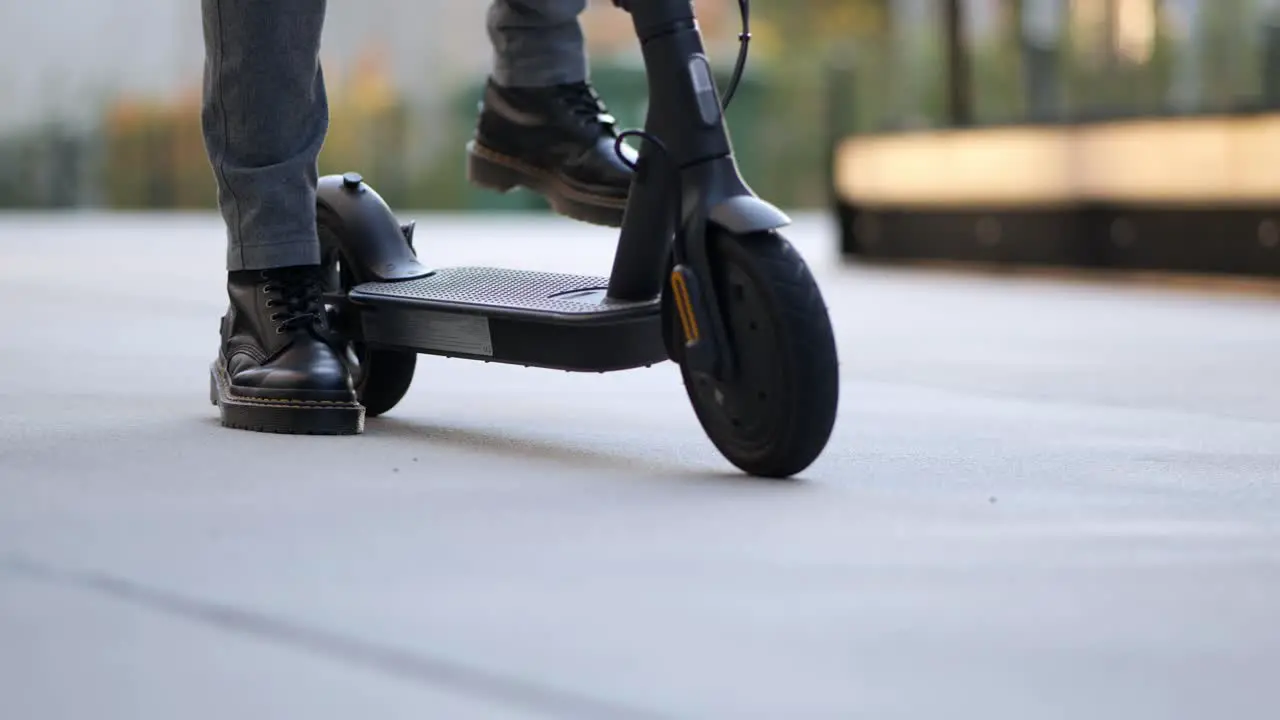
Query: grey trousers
{"points": [[265, 111]]}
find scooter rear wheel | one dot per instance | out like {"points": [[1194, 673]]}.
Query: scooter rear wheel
{"points": [[775, 416], [384, 376]]}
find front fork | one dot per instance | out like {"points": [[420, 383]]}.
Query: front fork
{"points": [[686, 119], [692, 296]]}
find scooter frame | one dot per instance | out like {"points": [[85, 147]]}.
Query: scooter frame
{"points": [[685, 157]]}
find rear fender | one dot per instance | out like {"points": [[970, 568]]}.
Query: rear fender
{"points": [[355, 223]]}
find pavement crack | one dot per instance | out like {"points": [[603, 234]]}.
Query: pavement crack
{"points": [[412, 666]]}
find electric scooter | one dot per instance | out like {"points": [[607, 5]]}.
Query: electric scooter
{"points": [[700, 277]]}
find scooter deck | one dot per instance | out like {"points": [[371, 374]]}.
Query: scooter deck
{"points": [[521, 317]]}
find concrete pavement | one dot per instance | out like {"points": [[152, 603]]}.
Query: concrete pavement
{"points": [[1042, 500]]}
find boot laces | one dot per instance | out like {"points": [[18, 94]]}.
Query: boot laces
{"points": [[297, 295], [585, 105]]}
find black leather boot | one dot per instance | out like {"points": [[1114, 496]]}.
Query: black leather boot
{"points": [[280, 368], [557, 141]]}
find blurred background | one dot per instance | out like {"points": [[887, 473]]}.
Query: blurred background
{"points": [[102, 99]]}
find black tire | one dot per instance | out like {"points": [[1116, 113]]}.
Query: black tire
{"points": [[777, 417], [385, 375]]}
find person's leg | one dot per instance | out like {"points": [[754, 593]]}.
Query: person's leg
{"points": [[541, 125], [265, 116], [537, 43]]}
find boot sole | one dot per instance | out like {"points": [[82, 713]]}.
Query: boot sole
{"points": [[492, 170], [286, 417]]}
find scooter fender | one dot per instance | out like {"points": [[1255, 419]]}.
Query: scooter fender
{"points": [[746, 214], [739, 214], [355, 222]]}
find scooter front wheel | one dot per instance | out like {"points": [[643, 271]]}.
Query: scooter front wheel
{"points": [[773, 418]]}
